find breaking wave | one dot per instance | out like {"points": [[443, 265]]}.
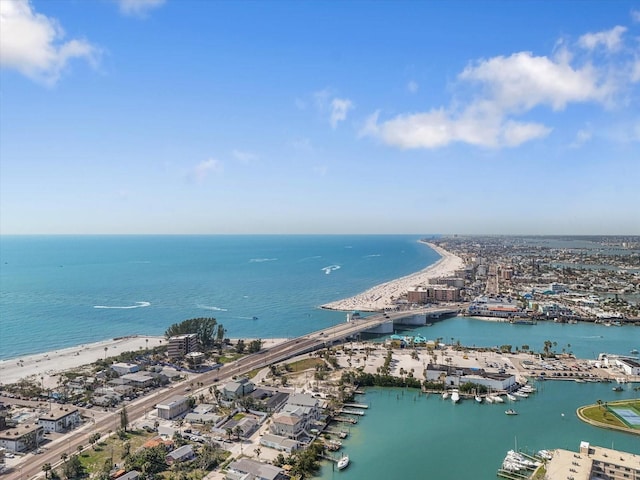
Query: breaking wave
{"points": [[261, 260], [215, 309]]}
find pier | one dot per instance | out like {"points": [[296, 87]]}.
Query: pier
{"points": [[351, 412], [356, 405]]}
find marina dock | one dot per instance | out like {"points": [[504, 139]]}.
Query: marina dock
{"points": [[356, 405]]}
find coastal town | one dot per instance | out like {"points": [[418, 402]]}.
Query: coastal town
{"points": [[199, 405]]}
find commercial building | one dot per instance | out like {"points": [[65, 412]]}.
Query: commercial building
{"points": [[22, 438], [630, 366], [433, 293], [594, 463], [60, 420], [173, 407], [123, 368]]}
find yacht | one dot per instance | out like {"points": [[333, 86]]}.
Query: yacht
{"points": [[511, 411], [511, 397], [445, 395], [521, 394], [497, 399], [343, 462], [478, 398], [488, 399], [455, 396]]}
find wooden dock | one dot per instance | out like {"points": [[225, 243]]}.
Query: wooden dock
{"points": [[356, 405], [345, 420], [351, 412]]}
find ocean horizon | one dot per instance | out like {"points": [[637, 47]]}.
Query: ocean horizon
{"points": [[58, 291]]}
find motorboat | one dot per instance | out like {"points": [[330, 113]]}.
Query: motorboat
{"points": [[545, 454], [445, 395], [511, 411], [511, 397], [521, 394], [478, 398], [343, 462], [488, 399], [455, 396], [497, 399]]}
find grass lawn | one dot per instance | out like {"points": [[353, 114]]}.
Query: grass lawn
{"points": [[94, 460], [305, 364], [601, 415]]}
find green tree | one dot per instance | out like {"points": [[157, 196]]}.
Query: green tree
{"points": [[240, 347], [124, 419], [204, 328], [255, 346], [46, 468]]}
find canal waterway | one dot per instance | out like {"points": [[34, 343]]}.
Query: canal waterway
{"points": [[407, 434]]}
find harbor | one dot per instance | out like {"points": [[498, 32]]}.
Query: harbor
{"points": [[383, 432]]}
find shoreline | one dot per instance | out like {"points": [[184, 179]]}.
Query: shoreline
{"points": [[46, 366], [381, 296]]}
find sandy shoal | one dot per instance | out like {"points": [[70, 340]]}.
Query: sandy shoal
{"points": [[43, 367], [382, 296]]}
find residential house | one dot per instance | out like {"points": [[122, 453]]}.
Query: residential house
{"points": [[181, 454], [247, 469]]}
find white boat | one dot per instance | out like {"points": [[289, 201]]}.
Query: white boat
{"points": [[478, 398], [527, 389], [455, 396], [488, 399], [546, 454], [521, 394], [445, 395], [511, 397], [497, 399], [579, 380], [343, 462], [511, 411]]}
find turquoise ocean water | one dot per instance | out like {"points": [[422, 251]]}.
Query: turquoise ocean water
{"points": [[60, 291]]}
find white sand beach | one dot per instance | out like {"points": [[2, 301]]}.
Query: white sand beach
{"points": [[43, 367], [381, 296]]}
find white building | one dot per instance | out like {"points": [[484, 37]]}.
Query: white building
{"points": [[173, 407], [22, 438], [123, 368], [630, 366], [60, 420]]}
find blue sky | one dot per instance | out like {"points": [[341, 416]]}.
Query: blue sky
{"points": [[167, 116]]}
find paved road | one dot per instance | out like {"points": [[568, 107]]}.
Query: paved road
{"points": [[31, 465]]}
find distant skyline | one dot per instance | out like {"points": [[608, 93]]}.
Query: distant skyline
{"points": [[194, 117]]}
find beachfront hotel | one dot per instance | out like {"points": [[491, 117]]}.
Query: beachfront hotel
{"points": [[595, 463], [180, 345]]}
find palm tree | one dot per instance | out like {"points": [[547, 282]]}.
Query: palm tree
{"points": [[238, 431], [46, 468], [229, 431], [257, 452]]}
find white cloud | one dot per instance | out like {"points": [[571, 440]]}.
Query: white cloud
{"points": [[523, 81], [503, 88], [31, 43], [635, 70], [202, 170], [439, 128], [138, 8], [610, 39], [413, 87], [244, 157], [339, 109]]}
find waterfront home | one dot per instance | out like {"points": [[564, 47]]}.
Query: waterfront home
{"points": [[22, 438], [279, 443], [181, 454], [271, 400], [291, 425], [60, 419], [304, 403], [122, 368], [245, 468], [173, 407]]}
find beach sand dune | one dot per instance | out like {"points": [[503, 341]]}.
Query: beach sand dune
{"points": [[382, 296]]}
